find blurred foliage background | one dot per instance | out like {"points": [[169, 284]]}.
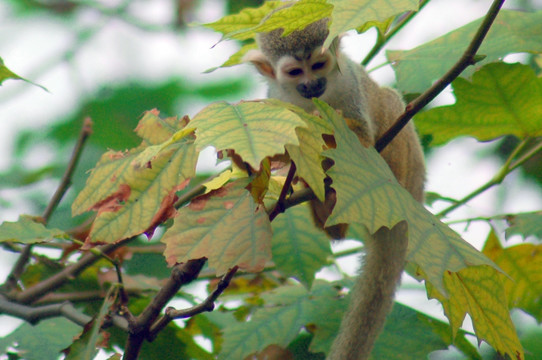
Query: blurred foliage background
{"points": [[110, 60]]}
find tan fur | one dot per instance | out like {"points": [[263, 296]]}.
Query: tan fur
{"points": [[370, 110]]}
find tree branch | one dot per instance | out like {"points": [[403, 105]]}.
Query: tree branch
{"points": [[139, 327], [35, 292], [33, 315], [279, 205], [207, 305], [65, 182], [468, 58], [18, 268]]}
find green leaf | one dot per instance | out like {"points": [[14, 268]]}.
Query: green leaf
{"points": [[526, 224], [512, 32], [254, 130], [296, 17], [238, 26], [42, 341], [226, 226], [411, 335], [478, 291], [368, 194], [6, 73], [287, 310], [307, 156], [236, 58], [130, 198], [299, 248], [354, 14], [28, 231], [523, 264], [502, 99], [86, 346]]}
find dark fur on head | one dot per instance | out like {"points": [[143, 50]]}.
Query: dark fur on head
{"points": [[300, 42]]}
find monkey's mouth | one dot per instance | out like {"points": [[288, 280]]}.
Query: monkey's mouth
{"points": [[313, 88]]}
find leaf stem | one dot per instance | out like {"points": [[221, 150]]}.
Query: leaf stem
{"points": [[509, 166], [384, 39]]}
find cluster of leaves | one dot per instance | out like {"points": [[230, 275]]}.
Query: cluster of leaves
{"points": [[234, 220]]}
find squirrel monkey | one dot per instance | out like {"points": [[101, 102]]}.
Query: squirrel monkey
{"points": [[297, 69]]}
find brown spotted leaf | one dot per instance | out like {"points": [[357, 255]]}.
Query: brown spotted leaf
{"points": [[226, 226], [130, 196]]}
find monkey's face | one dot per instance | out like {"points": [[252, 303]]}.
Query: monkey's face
{"points": [[306, 72]]}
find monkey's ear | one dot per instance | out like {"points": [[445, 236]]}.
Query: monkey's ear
{"points": [[258, 59]]}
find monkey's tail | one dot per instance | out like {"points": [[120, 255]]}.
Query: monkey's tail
{"points": [[372, 296]]}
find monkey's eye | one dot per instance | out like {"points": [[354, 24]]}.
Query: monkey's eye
{"points": [[295, 72], [318, 65]]}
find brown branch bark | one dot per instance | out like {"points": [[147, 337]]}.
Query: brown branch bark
{"points": [[18, 268], [35, 292], [207, 305], [139, 327], [467, 59]]}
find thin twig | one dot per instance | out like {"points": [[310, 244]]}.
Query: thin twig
{"points": [[467, 59], [35, 292], [180, 275], [33, 315], [506, 169], [279, 205], [65, 182], [18, 268], [384, 39], [207, 305]]}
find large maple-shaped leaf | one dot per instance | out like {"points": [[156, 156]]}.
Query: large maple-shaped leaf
{"points": [[353, 14], [130, 197], [512, 32], [299, 248], [502, 99], [226, 226], [479, 292], [523, 264], [368, 194], [254, 130]]}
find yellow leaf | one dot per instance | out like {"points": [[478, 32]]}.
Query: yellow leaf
{"points": [[254, 130], [479, 292], [226, 226], [218, 181], [258, 186], [523, 264]]}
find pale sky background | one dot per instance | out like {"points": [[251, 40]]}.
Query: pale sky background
{"points": [[120, 51]]}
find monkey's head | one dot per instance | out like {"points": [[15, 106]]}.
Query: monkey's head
{"points": [[297, 62]]}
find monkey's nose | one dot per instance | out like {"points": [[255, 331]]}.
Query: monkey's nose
{"points": [[312, 89]]}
